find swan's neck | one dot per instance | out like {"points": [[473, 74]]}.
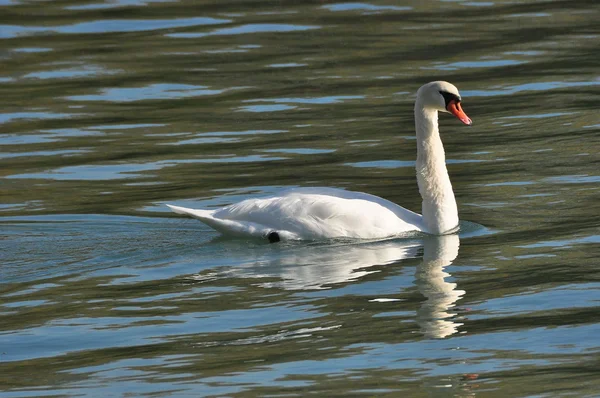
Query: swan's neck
{"points": [[440, 214]]}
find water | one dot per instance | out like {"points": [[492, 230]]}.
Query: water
{"points": [[112, 109]]}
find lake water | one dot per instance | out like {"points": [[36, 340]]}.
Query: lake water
{"points": [[112, 109]]}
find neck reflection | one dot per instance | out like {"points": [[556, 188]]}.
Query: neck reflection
{"points": [[441, 295]]}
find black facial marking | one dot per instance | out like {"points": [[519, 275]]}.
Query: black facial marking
{"points": [[273, 237], [449, 97]]}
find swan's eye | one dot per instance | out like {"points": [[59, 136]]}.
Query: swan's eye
{"points": [[449, 97]]}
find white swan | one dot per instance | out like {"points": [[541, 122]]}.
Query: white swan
{"points": [[319, 213]]}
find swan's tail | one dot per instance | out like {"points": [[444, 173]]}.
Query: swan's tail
{"points": [[202, 215], [232, 227]]}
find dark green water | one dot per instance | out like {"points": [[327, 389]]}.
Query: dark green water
{"points": [[110, 110]]}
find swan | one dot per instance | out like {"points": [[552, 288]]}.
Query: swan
{"points": [[322, 213]]}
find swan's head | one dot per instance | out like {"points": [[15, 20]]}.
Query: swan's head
{"points": [[443, 97]]}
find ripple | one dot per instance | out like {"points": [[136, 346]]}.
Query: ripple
{"points": [[126, 126], [568, 296], [116, 4], [235, 133], [287, 65], [248, 28], [86, 71], [223, 136], [90, 172], [109, 26], [299, 151], [153, 91], [9, 117], [229, 159], [265, 108], [540, 86], [530, 52], [507, 183], [131, 170], [226, 51], [478, 4], [574, 179], [6, 155], [35, 205], [476, 64], [564, 244], [363, 7], [334, 99], [528, 15], [383, 164], [203, 140], [539, 115], [52, 135], [32, 50], [20, 139]]}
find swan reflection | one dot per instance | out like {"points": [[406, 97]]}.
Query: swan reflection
{"points": [[433, 316], [318, 266]]}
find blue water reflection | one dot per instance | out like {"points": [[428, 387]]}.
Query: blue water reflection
{"points": [[244, 29], [104, 26]]}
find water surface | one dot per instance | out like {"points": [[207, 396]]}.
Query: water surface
{"points": [[114, 108]]}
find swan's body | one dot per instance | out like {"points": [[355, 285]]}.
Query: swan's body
{"points": [[311, 213], [317, 213]]}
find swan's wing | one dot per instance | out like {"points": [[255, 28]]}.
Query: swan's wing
{"points": [[409, 216]]}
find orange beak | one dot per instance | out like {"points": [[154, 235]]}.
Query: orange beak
{"points": [[455, 109]]}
